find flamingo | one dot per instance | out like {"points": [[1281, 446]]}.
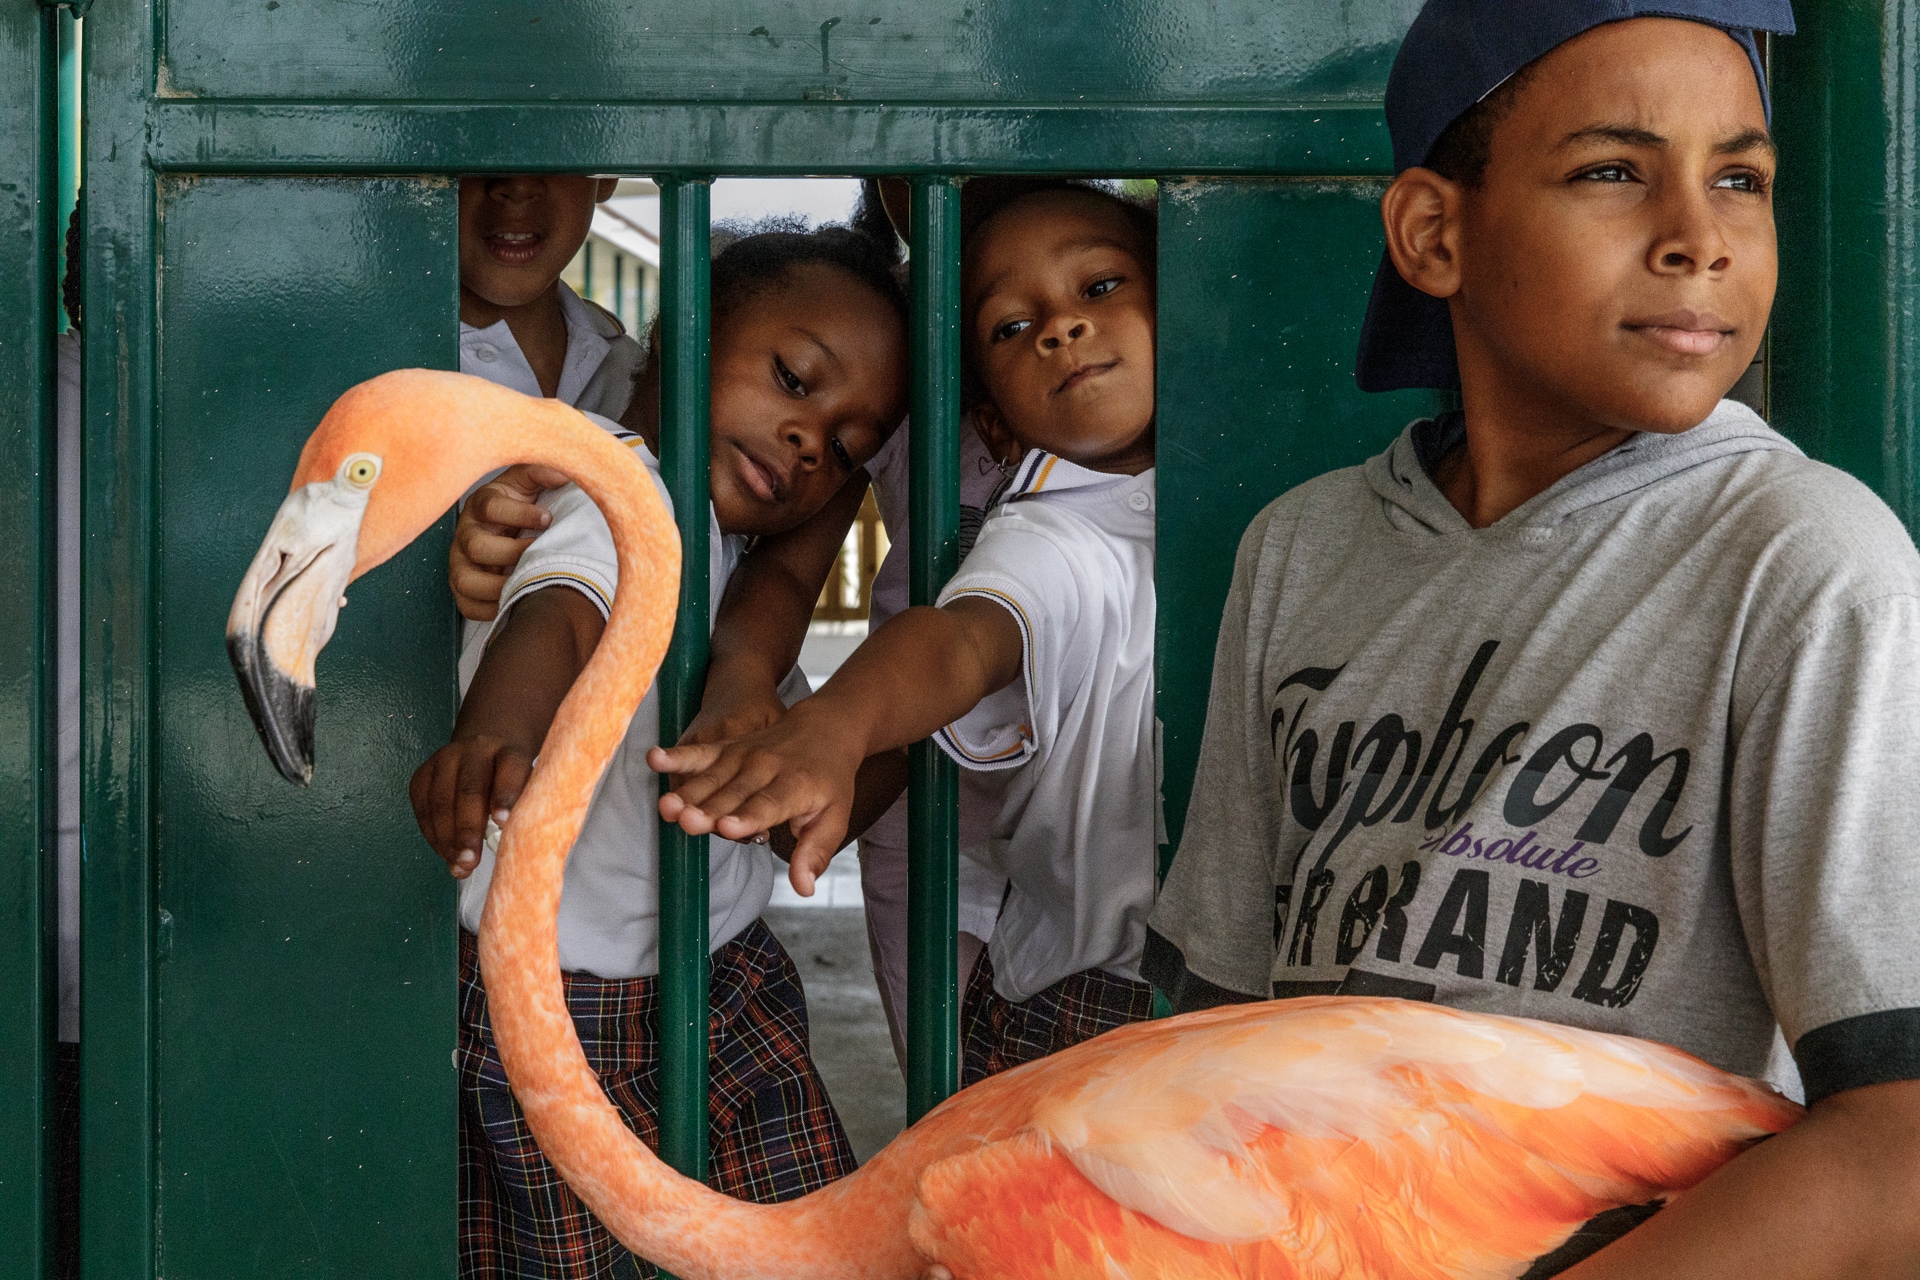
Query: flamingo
{"points": [[1295, 1140]]}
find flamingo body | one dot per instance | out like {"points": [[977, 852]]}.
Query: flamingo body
{"points": [[1292, 1140]]}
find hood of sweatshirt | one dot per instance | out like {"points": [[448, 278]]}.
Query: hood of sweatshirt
{"points": [[1414, 503]]}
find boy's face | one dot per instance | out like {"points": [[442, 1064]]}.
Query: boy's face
{"points": [[1618, 263], [1059, 295], [517, 233], [809, 379]]}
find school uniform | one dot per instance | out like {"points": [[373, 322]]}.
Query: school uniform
{"points": [[1069, 553], [883, 846], [774, 1134], [597, 376]]}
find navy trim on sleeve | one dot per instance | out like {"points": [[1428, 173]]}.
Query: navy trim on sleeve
{"points": [[1165, 967], [1874, 1048]]}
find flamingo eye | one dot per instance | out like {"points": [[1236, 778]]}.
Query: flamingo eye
{"points": [[361, 470]]}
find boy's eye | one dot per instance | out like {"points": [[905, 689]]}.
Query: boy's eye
{"points": [[1010, 329], [1101, 288], [1606, 173], [788, 378], [840, 453], [1746, 180]]}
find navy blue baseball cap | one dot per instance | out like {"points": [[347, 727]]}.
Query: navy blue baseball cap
{"points": [[1456, 53]]}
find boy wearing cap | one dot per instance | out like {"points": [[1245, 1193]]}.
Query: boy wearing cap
{"points": [[1594, 702]]}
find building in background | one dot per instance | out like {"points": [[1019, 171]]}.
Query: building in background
{"points": [[619, 265]]}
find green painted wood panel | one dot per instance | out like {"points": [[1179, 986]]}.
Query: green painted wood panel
{"points": [[1844, 364], [946, 51], [28, 206], [1262, 287], [117, 1117], [306, 940]]}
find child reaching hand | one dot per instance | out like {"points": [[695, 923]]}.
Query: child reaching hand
{"points": [[1039, 657], [808, 381]]}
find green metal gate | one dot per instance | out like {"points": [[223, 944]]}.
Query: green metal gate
{"points": [[269, 1006]]}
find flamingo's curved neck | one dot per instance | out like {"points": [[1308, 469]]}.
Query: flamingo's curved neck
{"points": [[673, 1221]]}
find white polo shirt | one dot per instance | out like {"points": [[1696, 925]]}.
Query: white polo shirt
{"points": [[601, 362], [610, 899], [1070, 555]]}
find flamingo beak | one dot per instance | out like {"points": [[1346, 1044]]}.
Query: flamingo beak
{"points": [[285, 611]]}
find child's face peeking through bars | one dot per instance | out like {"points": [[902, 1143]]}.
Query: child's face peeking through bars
{"points": [[519, 231], [809, 378], [1059, 291]]}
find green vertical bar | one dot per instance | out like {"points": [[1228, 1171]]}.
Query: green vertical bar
{"points": [[70, 35], [28, 149], [119, 911], [1844, 357], [684, 297], [933, 809]]}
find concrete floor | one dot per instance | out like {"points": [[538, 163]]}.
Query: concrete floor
{"points": [[850, 1041]]}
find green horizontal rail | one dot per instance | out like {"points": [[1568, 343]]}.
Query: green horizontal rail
{"points": [[933, 804], [1107, 139], [685, 293]]}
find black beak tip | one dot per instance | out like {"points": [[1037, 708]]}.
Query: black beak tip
{"points": [[281, 707]]}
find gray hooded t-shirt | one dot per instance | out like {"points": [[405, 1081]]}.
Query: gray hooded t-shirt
{"points": [[1640, 757]]}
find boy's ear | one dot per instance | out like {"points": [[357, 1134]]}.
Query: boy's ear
{"points": [[603, 188], [991, 426], [1422, 213]]}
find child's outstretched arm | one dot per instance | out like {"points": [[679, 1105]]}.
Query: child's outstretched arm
{"points": [[762, 619], [924, 669], [509, 707]]}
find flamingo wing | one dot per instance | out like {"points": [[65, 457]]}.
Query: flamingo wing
{"points": [[1341, 1137]]}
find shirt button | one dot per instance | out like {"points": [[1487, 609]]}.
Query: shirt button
{"points": [[484, 354], [1139, 501]]}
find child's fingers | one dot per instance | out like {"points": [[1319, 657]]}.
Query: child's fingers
{"points": [[493, 551], [804, 872], [740, 814], [440, 791], [693, 758], [539, 476], [494, 505], [510, 773], [473, 799], [758, 785], [819, 840], [418, 787], [475, 590]]}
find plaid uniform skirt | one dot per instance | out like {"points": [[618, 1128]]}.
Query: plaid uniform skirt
{"points": [[773, 1134], [997, 1034]]}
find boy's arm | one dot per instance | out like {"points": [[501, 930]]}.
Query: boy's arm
{"points": [[763, 619], [1836, 1196], [921, 671], [524, 675]]}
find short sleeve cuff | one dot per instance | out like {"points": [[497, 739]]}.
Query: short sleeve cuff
{"points": [[1874, 1048], [583, 576], [998, 733], [1165, 966]]}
